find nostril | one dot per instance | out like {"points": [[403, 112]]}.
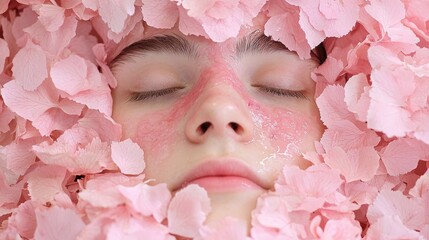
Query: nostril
{"points": [[236, 127], [204, 127]]}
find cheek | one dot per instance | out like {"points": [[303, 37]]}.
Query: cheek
{"points": [[282, 130], [157, 133]]}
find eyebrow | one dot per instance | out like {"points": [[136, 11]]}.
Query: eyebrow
{"points": [[163, 43], [255, 42]]}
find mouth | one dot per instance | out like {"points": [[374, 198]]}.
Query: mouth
{"points": [[224, 176]]}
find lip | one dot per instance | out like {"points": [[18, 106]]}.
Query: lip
{"points": [[223, 176]]}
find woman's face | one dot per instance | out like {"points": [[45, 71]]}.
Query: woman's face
{"points": [[226, 116]]}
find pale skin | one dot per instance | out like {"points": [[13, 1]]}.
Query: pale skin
{"points": [[226, 116]]}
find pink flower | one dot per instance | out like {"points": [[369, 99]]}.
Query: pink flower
{"points": [[55, 223], [148, 200], [218, 19], [51, 16], [188, 210], [325, 18], [393, 204], [389, 14], [283, 26], [77, 154], [404, 101], [113, 12], [402, 155], [79, 80], [30, 66], [128, 156]]}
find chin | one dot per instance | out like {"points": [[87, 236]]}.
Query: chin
{"points": [[236, 204]]}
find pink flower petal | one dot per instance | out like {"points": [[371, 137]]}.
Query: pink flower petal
{"points": [[53, 42], [115, 13], [148, 200], [4, 6], [70, 75], [290, 34], [24, 218], [188, 210], [4, 53], [79, 150], [332, 105], [30, 66], [393, 203], [402, 155], [128, 156], [137, 228], [391, 227], [51, 16], [160, 14], [45, 182], [356, 164], [58, 223], [357, 96], [29, 105]]}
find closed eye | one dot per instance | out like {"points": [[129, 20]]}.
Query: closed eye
{"points": [[281, 92], [148, 95]]}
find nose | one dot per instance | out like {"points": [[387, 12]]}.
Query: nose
{"points": [[219, 112]]}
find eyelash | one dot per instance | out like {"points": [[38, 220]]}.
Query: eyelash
{"points": [[141, 96], [282, 92]]}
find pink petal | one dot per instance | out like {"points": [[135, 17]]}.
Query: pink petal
{"points": [[82, 82], [51, 16], [29, 105], [24, 218], [393, 203], [70, 74], [4, 6], [137, 228], [347, 135], [148, 200], [19, 155], [78, 150], [316, 181], [290, 34], [386, 12], [58, 223], [30, 67], [401, 156], [4, 53], [332, 105], [357, 96], [391, 227], [6, 116], [341, 229], [53, 42], [188, 210], [115, 13], [387, 110], [160, 14], [128, 156], [104, 126], [45, 182], [422, 186], [189, 25], [9, 194], [356, 164], [54, 119]]}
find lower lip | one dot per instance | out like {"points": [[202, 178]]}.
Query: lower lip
{"points": [[225, 184]]}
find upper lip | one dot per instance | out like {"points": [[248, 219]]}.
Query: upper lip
{"points": [[222, 168]]}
